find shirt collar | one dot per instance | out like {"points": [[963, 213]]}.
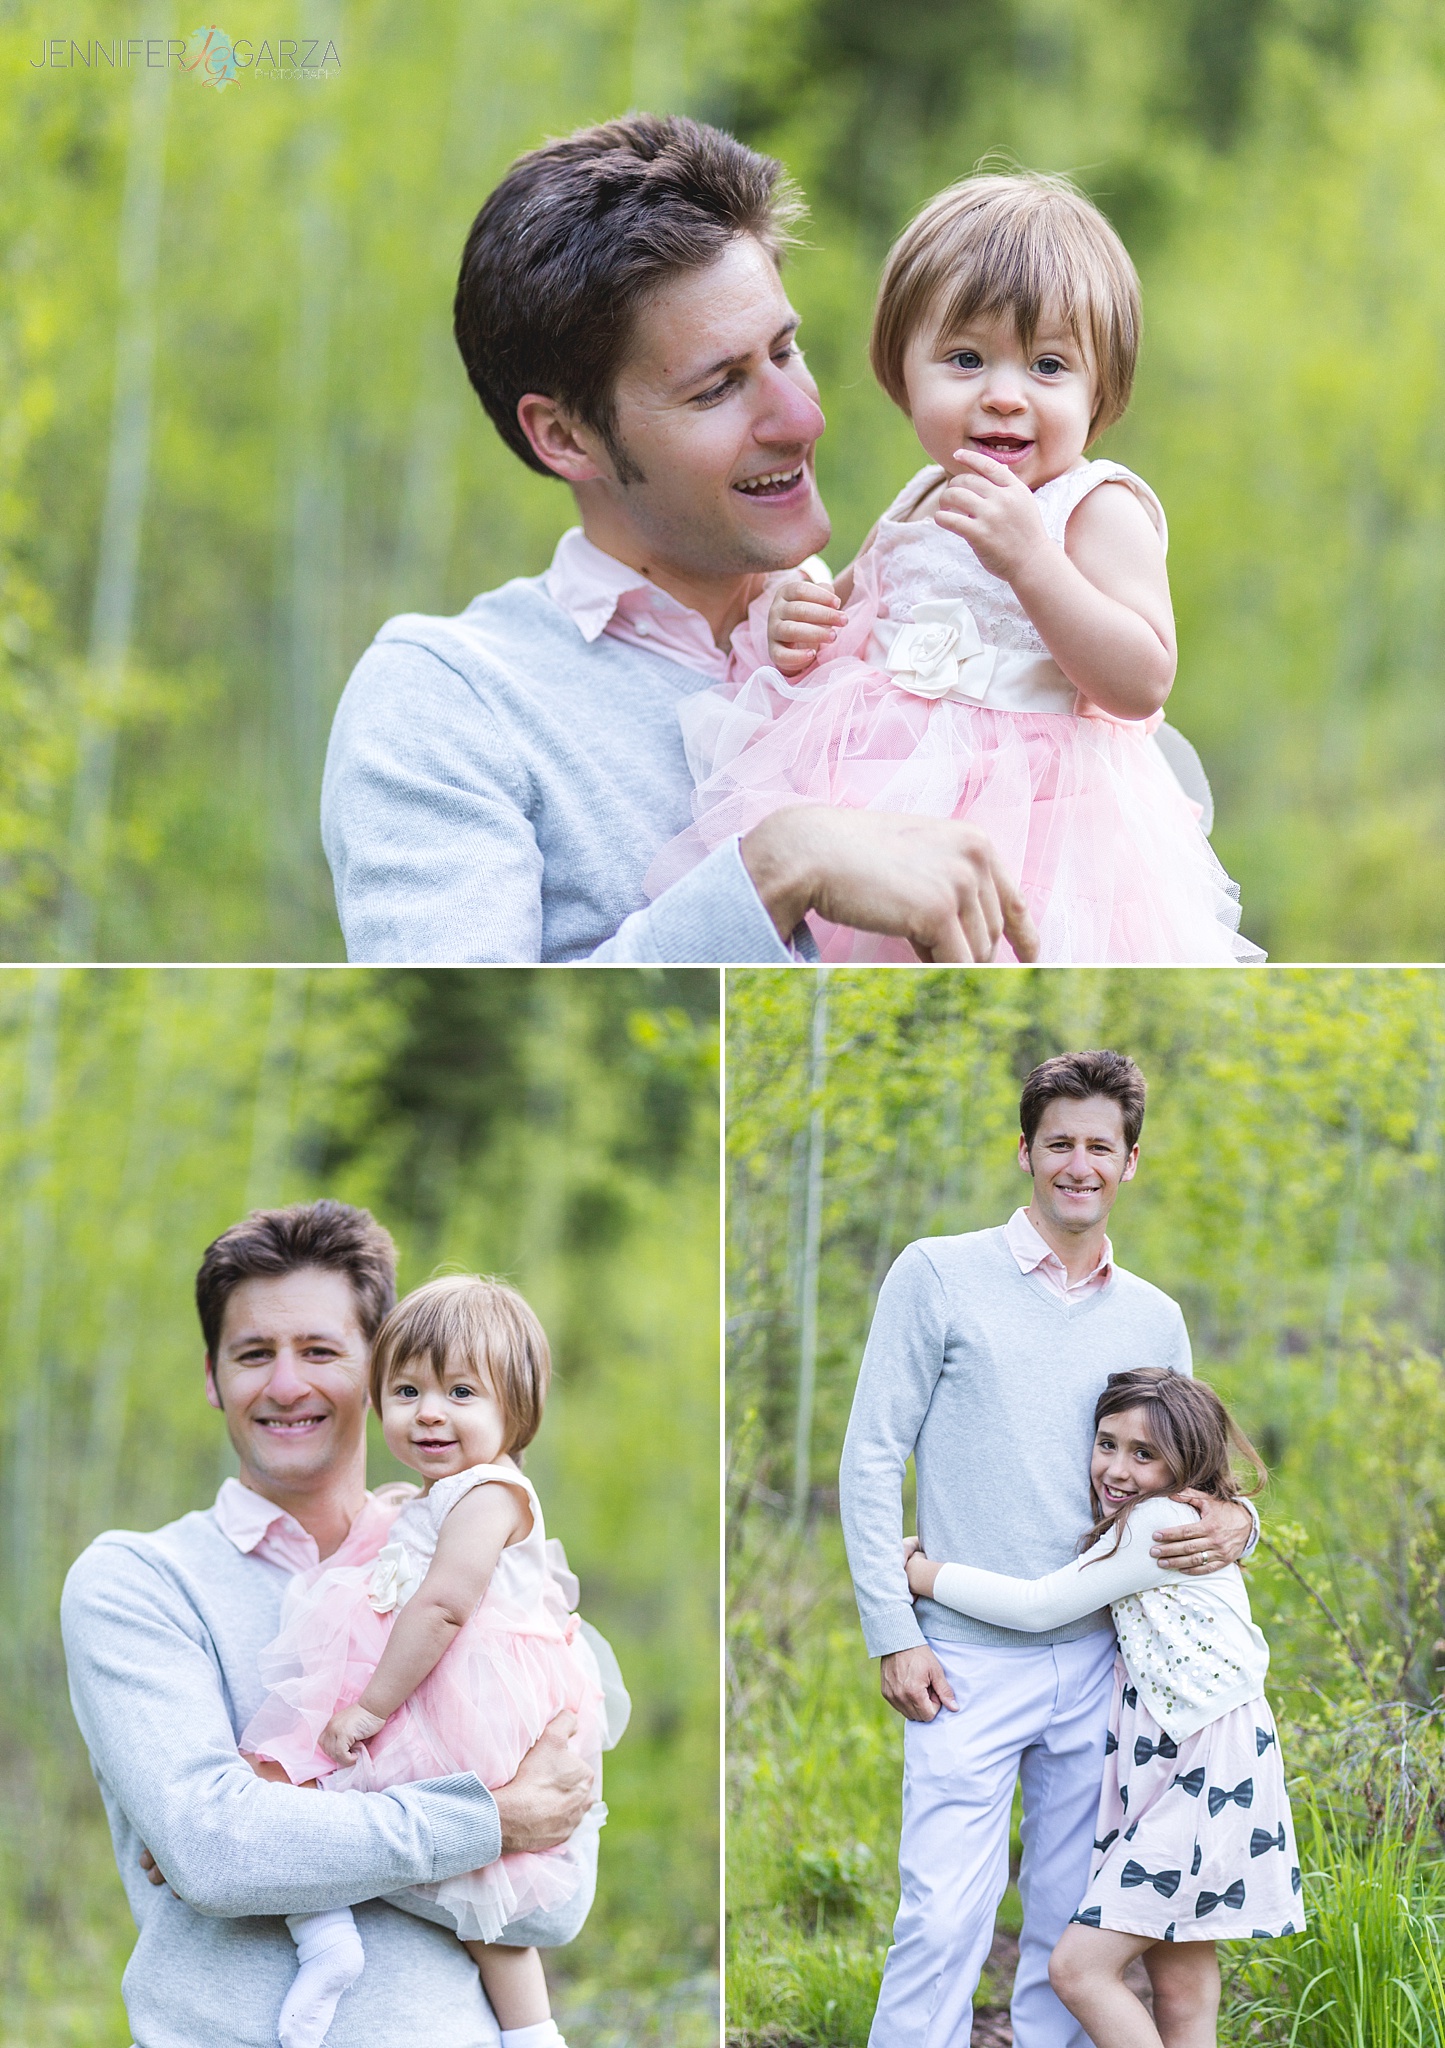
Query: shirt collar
{"points": [[1031, 1251], [589, 586], [258, 1528]]}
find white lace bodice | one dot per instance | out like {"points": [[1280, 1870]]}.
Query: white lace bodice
{"points": [[521, 1572], [917, 561]]}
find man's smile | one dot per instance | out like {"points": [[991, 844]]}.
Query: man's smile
{"points": [[773, 483], [290, 1425]]}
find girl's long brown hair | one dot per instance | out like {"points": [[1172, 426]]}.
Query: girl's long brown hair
{"points": [[1192, 1431]]}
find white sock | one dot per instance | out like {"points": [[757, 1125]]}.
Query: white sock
{"points": [[329, 1959], [543, 2034]]}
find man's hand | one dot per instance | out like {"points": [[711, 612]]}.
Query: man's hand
{"points": [[550, 1794], [154, 1874], [914, 1684], [936, 882], [344, 1731], [802, 618], [1208, 1545]]}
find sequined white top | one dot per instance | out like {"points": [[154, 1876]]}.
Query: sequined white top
{"points": [[1188, 1643]]}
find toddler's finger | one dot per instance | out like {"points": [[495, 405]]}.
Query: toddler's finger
{"points": [[808, 615], [975, 461]]}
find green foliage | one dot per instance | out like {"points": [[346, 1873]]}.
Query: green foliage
{"points": [[313, 459], [1291, 1194], [142, 1111]]}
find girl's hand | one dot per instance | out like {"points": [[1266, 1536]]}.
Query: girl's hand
{"points": [[922, 1572], [345, 1730], [994, 512], [802, 619]]}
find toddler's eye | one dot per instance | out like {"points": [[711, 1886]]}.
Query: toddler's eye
{"points": [[966, 359], [404, 1393], [1050, 366], [464, 1392]]}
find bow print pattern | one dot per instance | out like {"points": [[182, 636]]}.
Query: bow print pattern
{"points": [[1263, 1737], [1108, 1842], [1242, 1795], [1090, 1917], [1144, 1748], [1262, 1841], [1111, 1742], [1232, 1896], [1192, 1781], [1165, 1882]]}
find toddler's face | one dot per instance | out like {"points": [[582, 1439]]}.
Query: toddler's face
{"points": [[441, 1427], [978, 387]]}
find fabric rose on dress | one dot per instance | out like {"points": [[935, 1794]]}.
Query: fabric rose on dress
{"points": [[941, 654], [394, 1578]]}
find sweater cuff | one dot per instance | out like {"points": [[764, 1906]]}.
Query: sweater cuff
{"points": [[892, 1628], [713, 916], [462, 1818]]}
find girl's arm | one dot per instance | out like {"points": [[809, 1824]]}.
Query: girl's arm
{"points": [[1101, 604], [1098, 1578], [473, 1536]]}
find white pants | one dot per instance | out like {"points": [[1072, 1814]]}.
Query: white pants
{"points": [[1040, 1714]]}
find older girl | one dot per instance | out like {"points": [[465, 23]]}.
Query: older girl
{"points": [[1003, 646], [1195, 1841]]}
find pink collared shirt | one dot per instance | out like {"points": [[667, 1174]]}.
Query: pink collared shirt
{"points": [[259, 1528], [1041, 1262], [602, 595]]}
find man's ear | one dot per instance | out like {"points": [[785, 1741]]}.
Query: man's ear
{"points": [[213, 1392], [556, 440], [1025, 1163], [1130, 1165]]}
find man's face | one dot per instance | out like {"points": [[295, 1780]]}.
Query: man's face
{"points": [[1078, 1161], [290, 1375], [716, 409]]}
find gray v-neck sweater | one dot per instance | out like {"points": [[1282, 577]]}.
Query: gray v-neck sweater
{"points": [[988, 1382], [162, 1634]]}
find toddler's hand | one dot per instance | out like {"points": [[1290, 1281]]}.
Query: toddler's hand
{"points": [[802, 619], [921, 1574], [345, 1730], [994, 512]]}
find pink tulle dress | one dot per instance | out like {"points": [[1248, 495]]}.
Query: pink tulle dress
{"points": [[516, 1664], [938, 698]]}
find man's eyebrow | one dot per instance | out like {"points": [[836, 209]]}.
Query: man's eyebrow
{"points": [[700, 376]]}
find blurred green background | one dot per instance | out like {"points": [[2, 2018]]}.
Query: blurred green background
{"points": [[1291, 1196], [235, 435], [557, 1128]]}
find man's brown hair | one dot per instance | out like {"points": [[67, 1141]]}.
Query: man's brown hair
{"points": [[273, 1242], [1023, 245], [465, 1320], [578, 235], [1077, 1076]]}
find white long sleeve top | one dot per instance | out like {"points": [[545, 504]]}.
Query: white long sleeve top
{"points": [[1189, 1644]]}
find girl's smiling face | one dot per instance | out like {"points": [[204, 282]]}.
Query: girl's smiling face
{"points": [[1126, 1463], [441, 1426], [976, 386]]}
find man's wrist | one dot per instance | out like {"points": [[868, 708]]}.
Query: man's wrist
{"points": [[775, 857]]}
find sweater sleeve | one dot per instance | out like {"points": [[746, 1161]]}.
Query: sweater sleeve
{"points": [[1104, 1573], [424, 817], [902, 1363], [147, 1695]]}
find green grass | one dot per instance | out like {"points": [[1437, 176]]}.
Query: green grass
{"points": [[814, 1774]]}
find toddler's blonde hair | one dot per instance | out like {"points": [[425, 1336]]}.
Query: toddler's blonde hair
{"points": [[464, 1319], [1020, 243]]}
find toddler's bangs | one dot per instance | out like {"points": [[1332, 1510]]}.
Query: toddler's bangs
{"points": [[1025, 245]]}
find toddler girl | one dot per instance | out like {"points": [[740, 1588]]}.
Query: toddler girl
{"points": [[1002, 647], [1195, 1840], [451, 1652]]}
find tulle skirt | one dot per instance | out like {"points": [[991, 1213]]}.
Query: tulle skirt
{"points": [[1084, 811], [506, 1675]]}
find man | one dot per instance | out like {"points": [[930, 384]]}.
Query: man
{"points": [[986, 1356], [497, 784], [162, 1633]]}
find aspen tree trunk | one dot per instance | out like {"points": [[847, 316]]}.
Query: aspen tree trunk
{"points": [[812, 1236], [113, 606]]}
